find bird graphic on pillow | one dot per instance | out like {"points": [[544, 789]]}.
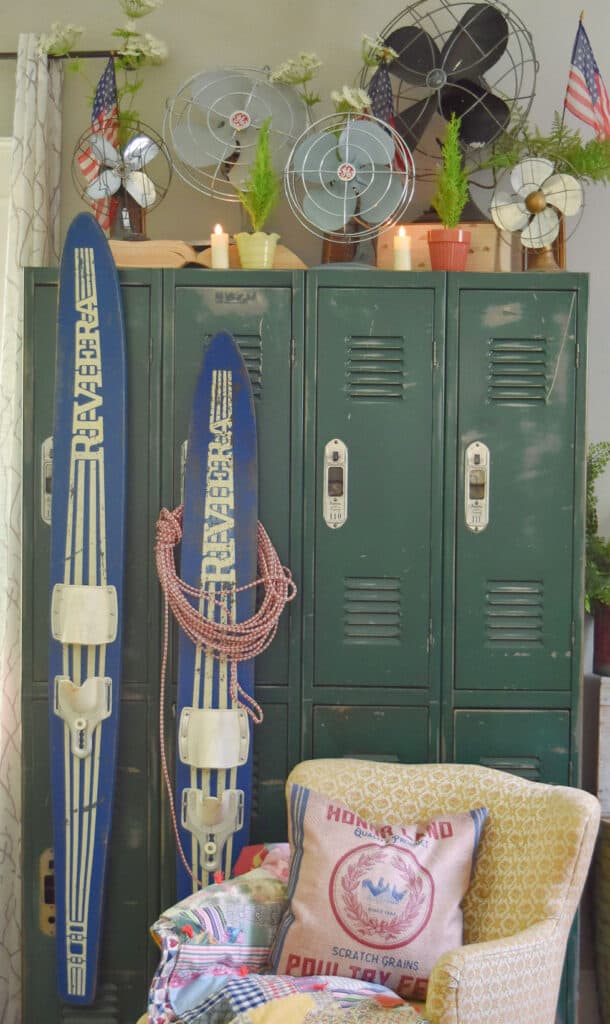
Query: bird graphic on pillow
{"points": [[381, 888]]}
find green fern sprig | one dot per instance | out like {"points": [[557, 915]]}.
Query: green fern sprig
{"points": [[451, 193], [261, 190], [563, 146]]}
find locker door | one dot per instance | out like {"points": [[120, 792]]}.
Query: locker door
{"points": [[261, 313], [377, 393], [517, 403]]}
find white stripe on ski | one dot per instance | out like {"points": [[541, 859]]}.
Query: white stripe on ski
{"points": [[219, 502], [82, 774]]}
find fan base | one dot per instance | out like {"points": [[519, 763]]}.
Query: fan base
{"points": [[128, 219], [542, 259]]}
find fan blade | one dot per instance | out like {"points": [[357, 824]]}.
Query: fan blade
{"points": [[223, 91], [417, 52], [483, 115], [103, 151], [237, 172], [412, 122], [363, 143], [141, 188], [197, 146], [380, 197], [476, 43], [286, 109], [507, 214], [542, 230], [316, 158], [139, 151], [105, 185], [331, 208], [529, 175], [564, 192]]}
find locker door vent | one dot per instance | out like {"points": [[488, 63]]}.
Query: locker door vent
{"points": [[375, 368], [514, 612], [251, 348], [105, 1009], [517, 371], [371, 611]]}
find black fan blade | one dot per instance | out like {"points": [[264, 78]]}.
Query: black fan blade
{"points": [[412, 122], [476, 43], [417, 53], [484, 115]]}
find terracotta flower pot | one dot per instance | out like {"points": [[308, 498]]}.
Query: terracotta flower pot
{"points": [[256, 250], [448, 248]]}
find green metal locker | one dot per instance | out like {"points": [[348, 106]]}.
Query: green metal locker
{"points": [[264, 314], [416, 635], [515, 391], [169, 320], [374, 355]]}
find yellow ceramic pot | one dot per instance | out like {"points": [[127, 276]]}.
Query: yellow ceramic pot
{"points": [[256, 250]]}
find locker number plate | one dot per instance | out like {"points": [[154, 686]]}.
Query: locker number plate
{"points": [[335, 484]]}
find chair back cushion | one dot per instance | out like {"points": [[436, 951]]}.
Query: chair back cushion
{"points": [[528, 862]]}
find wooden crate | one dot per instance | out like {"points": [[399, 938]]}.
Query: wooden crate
{"points": [[490, 249]]}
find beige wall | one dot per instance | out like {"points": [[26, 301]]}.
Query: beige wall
{"points": [[203, 34]]}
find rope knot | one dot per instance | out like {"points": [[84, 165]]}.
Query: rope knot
{"points": [[169, 527]]}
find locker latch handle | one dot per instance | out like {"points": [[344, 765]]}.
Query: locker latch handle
{"points": [[335, 484], [476, 486], [46, 479]]}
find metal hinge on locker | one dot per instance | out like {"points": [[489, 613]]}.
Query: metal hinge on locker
{"points": [[476, 486], [335, 484]]}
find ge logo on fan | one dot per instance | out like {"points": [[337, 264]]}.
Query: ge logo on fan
{"points": [[240, 120], [346, 172], [373, 910]]}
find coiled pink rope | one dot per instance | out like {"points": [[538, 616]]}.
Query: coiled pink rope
{"points": [[230, 641]]}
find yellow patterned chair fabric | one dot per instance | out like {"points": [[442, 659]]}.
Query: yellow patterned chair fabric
{"points": [[532, 863]]}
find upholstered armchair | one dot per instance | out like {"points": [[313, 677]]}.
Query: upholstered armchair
{"points": [[531, 866]]}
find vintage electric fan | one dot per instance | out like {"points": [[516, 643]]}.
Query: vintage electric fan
{"points": [[131, 177], [473, 60], [532, 199], [349, 176], [212, 124]]}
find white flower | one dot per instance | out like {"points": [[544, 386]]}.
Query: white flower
{"points": [[374, 51], [350, 100], [296, 70], [61, 39], [143, 49], [138, 8]]}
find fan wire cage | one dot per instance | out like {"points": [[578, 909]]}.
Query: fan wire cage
{"points": [[212, 124], [474, 60], [349, 177]]}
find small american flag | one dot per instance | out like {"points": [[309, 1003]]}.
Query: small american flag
{"points": [[104, 120], [382, 104], [586, 95]]}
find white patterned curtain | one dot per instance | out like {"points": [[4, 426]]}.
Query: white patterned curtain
{"points": [[33, 240]]}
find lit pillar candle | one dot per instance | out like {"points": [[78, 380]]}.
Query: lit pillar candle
{"points": [[402, 250], [219, 240]]}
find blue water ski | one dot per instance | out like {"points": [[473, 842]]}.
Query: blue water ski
{"points": [[87, 549], [219, 546]]}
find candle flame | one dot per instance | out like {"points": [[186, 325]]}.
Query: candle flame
{"points": [[402, 231], [218, 229]]}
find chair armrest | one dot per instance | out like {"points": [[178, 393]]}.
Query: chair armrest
{"points": [[515, 979]]}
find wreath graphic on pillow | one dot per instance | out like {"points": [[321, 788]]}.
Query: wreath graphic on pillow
{"points": [[397, 901]]}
